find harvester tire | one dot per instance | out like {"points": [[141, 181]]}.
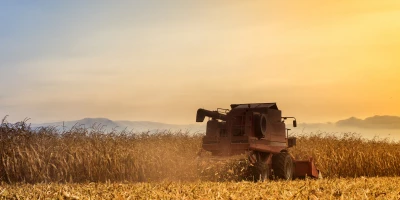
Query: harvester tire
{"points": [[260, 125], [261, 171], [257, 126], [282, 164], [263, 124]]}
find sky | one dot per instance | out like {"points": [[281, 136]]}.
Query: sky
{"points": [[157, 60]]}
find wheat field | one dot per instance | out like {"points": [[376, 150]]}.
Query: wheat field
{"points": [[348, 188], [90, 162]]}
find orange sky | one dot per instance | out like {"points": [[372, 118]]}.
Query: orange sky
{"points": [[319, 60]]}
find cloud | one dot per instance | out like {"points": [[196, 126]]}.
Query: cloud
{"points": [[376, 122]]}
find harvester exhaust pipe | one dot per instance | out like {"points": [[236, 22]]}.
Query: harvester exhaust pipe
{"points": [[202, 113]]}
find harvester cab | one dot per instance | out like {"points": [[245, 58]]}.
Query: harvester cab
{"points": [[257, 130]]}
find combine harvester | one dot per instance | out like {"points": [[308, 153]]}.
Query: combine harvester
{"points": [[258, 131]]}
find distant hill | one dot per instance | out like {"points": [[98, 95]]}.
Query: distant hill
{"points": [[375, 122], [371, 127], [134, 126]]}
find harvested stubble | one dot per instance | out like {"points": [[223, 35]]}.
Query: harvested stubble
{"points": [[91, 155], [349, 188]]}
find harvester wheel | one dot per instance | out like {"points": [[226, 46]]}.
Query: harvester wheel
{"points": [[261, 171], [263, 124], [282, 164], [260, 125]]}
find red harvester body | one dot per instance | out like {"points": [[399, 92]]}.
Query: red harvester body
{"points": [[258, 130]]}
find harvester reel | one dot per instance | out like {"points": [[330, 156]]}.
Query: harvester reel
{"points": [[282, 164]]}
